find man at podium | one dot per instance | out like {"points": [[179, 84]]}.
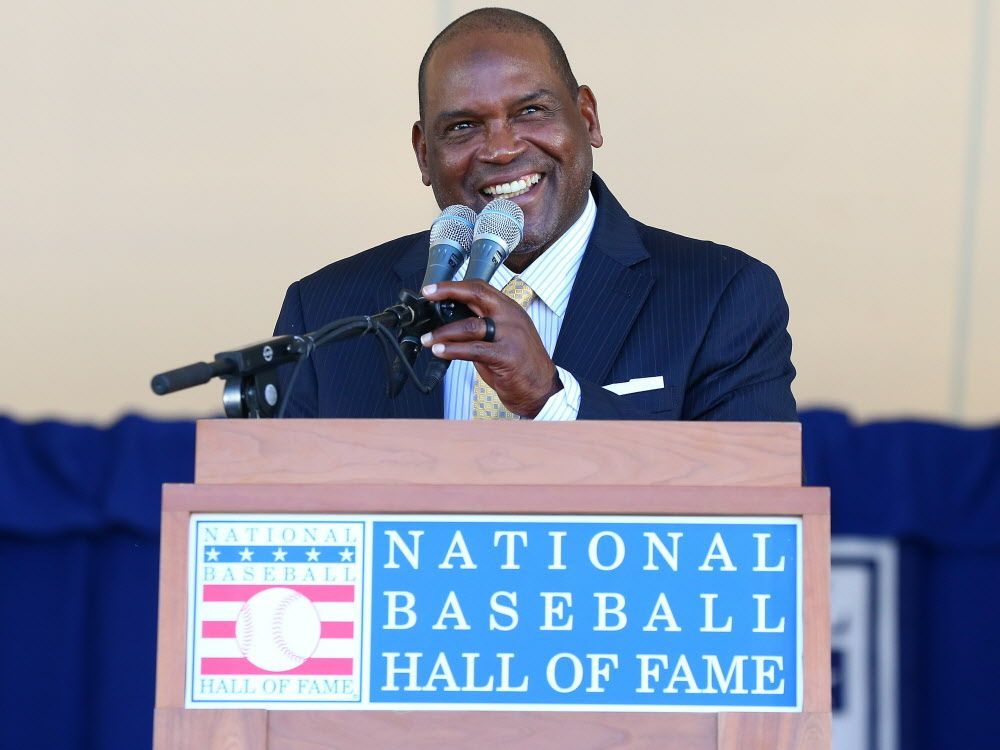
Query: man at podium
{"points": [[594, 315]]}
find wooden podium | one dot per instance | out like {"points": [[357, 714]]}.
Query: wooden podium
{"points": [[596, 468]]}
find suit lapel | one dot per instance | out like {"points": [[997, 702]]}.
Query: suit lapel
{"points": [[610, 290], [411, 403]]}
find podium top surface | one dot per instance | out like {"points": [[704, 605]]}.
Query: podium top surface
{"points": [[370, 451]]}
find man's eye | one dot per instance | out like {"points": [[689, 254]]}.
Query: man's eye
{"points": [[530, 109], [459, 126]]}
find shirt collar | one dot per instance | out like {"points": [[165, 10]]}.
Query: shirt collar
{"points": [[552, 274]]}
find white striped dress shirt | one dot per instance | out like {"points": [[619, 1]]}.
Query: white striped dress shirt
{"points": [[551, 278]]}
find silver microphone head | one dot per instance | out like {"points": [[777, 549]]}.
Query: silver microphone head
{"points": [[455, 224], [462, 212], [501, 220]]}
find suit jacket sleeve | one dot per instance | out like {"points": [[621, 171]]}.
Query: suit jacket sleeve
{"points": [[742, 370]]}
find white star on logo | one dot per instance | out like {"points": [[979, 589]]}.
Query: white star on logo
{"points": [[347, 555], [246, 554], [279, 555], [312, 555], [212, 555]]}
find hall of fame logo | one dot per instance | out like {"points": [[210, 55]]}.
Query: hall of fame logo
{"points": [[275, 611]]}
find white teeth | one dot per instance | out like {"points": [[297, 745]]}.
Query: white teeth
{"points": [[516, 187]]}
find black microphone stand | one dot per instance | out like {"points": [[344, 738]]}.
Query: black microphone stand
{"points": [[251, 387]]}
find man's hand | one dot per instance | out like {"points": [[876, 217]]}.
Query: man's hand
{"points": [[515, 364]]}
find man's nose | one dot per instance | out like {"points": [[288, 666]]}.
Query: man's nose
{"points": [[501, 145]]}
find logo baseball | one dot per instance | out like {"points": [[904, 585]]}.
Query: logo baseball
{"points": [[277, 629]]}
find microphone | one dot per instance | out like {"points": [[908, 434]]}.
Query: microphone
{"points": [[498, 231], [450, 241]]}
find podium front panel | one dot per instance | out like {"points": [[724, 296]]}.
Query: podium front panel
{"points": [[808, 508]]}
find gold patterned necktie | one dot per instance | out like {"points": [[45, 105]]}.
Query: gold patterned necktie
{"points": [[485, 402]]}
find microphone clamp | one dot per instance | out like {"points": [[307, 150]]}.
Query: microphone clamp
{"points": [[416, 315]]}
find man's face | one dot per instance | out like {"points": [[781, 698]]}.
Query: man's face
{"points": [[496, 113]]}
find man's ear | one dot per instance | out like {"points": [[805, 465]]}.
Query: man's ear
{"points": [[420, 150], [586, 103]]}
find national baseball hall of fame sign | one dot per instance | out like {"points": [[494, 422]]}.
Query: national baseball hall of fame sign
{"points": [[495, 612]]}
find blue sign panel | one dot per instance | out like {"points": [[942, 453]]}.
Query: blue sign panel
{"points": [[689, 613], [540, 613]]}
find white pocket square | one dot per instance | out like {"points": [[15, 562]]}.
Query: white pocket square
{"points": [[636, 385]]}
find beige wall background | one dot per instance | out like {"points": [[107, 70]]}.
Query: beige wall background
{"points": [[166, 169]]}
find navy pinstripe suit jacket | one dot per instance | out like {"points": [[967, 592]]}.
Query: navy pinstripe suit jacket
{"points": [[710, 319]]}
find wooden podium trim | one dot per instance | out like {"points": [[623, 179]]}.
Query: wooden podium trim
{"points": [[295, 730], [211, 729], [516, 499], [818, 695], [171, 639], [410, 452], [446, 730], [805, 731]]}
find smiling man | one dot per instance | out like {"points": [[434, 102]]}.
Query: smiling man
{"points": [[594, 315]]}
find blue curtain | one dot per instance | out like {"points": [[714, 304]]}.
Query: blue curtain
{"points": [[79, 530], [79, 523], [936, 489]]}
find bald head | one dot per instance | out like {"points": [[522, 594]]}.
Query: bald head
{"points": [[499, 21]]}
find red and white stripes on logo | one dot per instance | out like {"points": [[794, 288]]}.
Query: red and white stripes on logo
{"points": [[220, 606]]}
